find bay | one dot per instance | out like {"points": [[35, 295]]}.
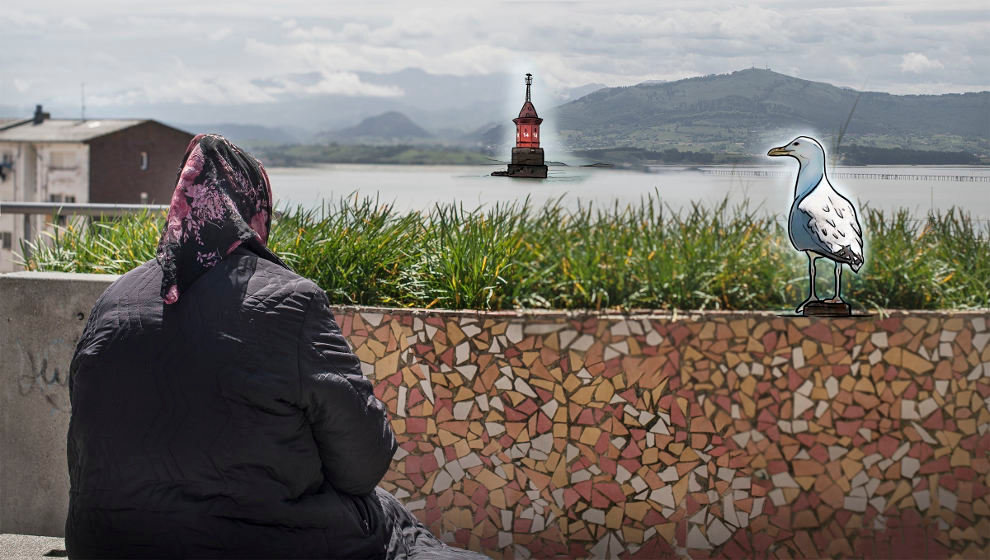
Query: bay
{"points": [[766, 188]]}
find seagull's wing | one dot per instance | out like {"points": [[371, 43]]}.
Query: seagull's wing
{"points": [[832, 226]]}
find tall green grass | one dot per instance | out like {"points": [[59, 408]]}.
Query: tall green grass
{"points": [[103, 246], [354, 250], [516, 255]]}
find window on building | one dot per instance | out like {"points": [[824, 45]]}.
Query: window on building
{"points": [[5, 239], [54, 198], [144, 161], [6, 165], [59, 220], [63, 160]]}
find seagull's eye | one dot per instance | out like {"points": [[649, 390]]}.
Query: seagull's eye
{"points": [[796, 144]]}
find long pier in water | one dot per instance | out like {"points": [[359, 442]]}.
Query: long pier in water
{"points": [[848, 175]]}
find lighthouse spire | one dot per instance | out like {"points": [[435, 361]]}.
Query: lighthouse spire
{"points": [[529, 82]]}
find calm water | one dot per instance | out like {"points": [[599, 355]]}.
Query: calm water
{"points": [[415, 187]]}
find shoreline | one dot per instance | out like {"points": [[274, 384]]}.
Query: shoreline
{"points": [[630, 167]]}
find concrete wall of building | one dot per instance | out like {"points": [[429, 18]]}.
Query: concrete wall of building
{"points": [[42, 172], [18, 183], [63, 171], [116, 173], [543, 434], [8, 152], [8, 189]]}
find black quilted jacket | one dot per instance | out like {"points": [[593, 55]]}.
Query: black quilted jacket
{"points": [[235, 423]]}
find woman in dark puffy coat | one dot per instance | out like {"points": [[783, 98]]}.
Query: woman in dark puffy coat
{"points": [[217, 411]]}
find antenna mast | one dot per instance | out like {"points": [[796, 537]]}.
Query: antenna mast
{"points": [[529, 82]]}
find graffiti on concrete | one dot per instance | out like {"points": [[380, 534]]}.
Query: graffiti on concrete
{"points": [[44, 375]]}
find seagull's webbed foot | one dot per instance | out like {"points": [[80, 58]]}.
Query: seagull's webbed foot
{"points": [[800, 308], [836, 299]]}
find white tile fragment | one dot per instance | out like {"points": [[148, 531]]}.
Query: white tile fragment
{"points": [[797, 356], [514, 332]]}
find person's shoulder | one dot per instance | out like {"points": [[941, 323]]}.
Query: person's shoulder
{"points": [[139, 276], [131, 292], [276, 273], [271, 281]]}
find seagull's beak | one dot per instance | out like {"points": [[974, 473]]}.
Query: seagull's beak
{"points": [[781, 151]]}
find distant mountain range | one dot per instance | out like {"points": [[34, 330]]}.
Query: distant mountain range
{"points": [[433, 101], [488, 138], [391, 127], [749, 110], [739, 113]]}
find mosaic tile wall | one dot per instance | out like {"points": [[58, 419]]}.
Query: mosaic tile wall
{"points": [[706, 435]]}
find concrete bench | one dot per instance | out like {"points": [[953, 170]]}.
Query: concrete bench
{"points": [[31, 547]]}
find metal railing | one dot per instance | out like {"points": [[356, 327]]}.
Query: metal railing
{"points": [[61, 209], [77, 208], [852, 175]]}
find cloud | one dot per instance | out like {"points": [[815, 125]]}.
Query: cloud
{"points": [[918, 63], [318, 83], [220, 34], [893, 47], [350, 32], [20, 18], [75, 24], [185, 89]]}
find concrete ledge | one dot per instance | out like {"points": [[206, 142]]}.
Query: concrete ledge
{"points": [[24, 547], [41, 318], [60, 276]]}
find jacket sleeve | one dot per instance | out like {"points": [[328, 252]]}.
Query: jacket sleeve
{"points": [[350, 425]]}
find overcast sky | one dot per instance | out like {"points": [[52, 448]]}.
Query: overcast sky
{"points": [[218, 51]]}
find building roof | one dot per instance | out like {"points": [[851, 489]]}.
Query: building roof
{"points": [[528, 111], [65, 130], [8, 121]]}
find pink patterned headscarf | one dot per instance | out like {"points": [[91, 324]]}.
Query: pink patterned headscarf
{"points": [[222, 199]]}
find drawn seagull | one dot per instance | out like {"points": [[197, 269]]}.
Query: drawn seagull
{"points": [[822, 222]]}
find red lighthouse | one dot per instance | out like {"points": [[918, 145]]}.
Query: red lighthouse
{"points": [[527, 156], [528, 122]]}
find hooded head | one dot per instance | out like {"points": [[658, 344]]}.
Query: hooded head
{"points": [[222, 199]]}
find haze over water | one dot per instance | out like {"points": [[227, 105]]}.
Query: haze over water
{"points": [[420, 187]]}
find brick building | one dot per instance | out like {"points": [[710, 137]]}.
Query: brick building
{"points": [[99, 160]]}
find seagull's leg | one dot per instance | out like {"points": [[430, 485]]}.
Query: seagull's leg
{"points": [[838, 284], [811, 272]]}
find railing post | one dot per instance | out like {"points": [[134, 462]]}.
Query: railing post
{"points": [[27, 232]]}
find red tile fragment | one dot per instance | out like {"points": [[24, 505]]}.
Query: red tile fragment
{"points": [[937, 466]]}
